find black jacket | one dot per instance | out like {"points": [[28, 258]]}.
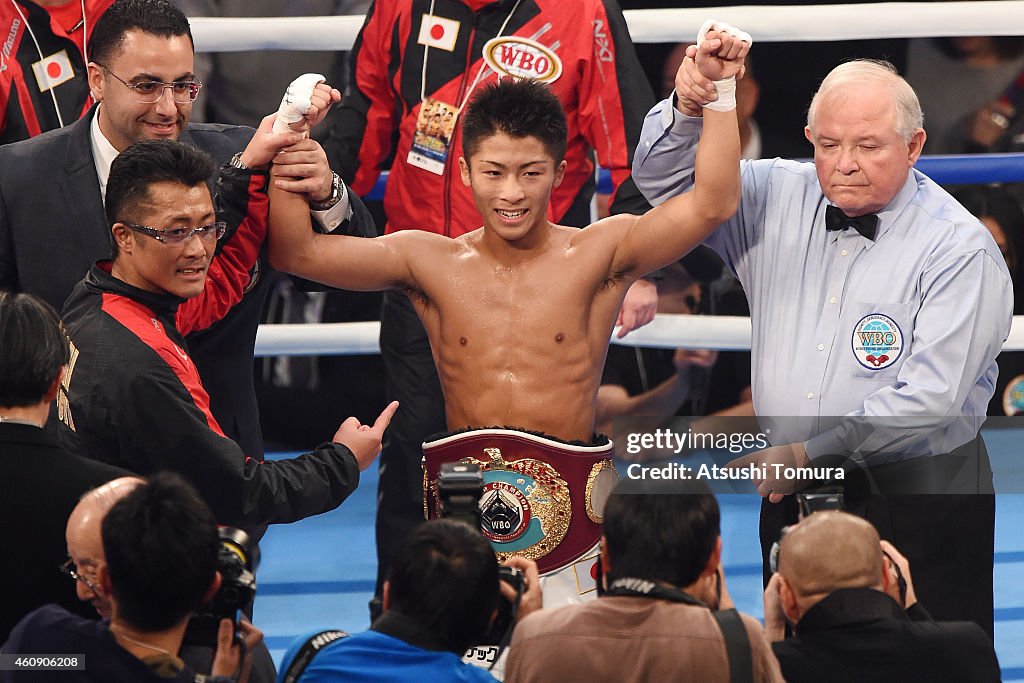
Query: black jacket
{"points": [[861, 634], [40, 485]]}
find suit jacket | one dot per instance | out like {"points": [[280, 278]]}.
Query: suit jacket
{"points": [[861, 634], [52, 229], [40, 486]]}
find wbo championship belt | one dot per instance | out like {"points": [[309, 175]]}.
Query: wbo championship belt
{"points": [[543, 499]]}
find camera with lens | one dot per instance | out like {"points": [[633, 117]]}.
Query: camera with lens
{"points": [[459, 489], [237, 560], [809, 503]]}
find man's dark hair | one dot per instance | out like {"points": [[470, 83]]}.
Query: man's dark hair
{"points": [[445, 578], [161, 545], [147, 162], [155, 17], [33, 348], [661, 536], [518, 109]]}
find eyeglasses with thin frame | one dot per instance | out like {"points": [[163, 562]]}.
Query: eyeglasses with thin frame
{"points": [[69, 569], [177, 236], [150, 92]]}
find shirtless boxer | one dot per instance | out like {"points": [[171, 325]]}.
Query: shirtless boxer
{"points": [[519, 312]]}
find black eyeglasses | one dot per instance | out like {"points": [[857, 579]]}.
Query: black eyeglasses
{"points": [[69, 569], [176, 236], [150, 92]]}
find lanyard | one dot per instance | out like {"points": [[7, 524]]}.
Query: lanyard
{"points": [[479, 73], [642, 588]]}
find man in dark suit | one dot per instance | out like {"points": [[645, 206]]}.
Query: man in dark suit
{"points": [[52, 226], [41, 482], [856, 615]]}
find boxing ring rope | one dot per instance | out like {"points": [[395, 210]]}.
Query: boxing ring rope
{"points": [[768, 24]]}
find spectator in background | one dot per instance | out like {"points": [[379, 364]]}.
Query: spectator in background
{"points": [[959, 82], [856, 617], [1001, 213], [664, 614], [43, 79], [41, 481], [413, 59], [161, 545]]}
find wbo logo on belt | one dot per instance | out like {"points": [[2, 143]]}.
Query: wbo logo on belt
{"points": [[541, 499], [525, 508]]}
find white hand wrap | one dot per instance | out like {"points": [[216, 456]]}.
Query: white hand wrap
{"points": [[297, 100], [726, 87]]}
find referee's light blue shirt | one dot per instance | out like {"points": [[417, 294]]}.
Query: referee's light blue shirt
{"points": [[847, 331]]}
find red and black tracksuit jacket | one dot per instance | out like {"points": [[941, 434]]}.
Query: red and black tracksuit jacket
{"points": [[132, 395], [601, 86], [26, 110]]}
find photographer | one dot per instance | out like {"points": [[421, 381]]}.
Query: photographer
{"points": [[855, 613], [85, 556], [440, 596], [664, 614], [160, 545]]}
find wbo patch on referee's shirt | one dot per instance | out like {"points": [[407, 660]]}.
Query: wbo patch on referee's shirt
{"points": [[877, 341]]}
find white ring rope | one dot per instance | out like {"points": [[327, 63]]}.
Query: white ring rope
{"points": [[666, 331], [766, 24]]}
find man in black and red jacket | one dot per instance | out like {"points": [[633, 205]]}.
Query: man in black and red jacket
{"points": [[132, 394]]}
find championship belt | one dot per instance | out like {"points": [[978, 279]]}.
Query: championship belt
{"points": [[543, 499]]}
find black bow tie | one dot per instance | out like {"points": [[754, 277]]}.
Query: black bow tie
{"points": [[866, 225]]}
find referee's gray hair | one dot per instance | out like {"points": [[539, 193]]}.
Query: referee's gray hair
{"points": [[867, 72]]}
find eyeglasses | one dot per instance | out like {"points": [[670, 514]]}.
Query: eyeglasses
{"points": [[68, 568], [150, 92], [176, 236]]}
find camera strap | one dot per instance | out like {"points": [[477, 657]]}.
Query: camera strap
{"points": [[734, 633], [304, 656]]}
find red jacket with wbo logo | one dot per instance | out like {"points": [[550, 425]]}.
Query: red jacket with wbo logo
{"points": [[581, 48]]}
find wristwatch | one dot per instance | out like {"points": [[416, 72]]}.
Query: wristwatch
{"points": [[236, 162], [333, 198]]}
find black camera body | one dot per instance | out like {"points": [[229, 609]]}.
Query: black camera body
{"points": [[459, 489], [237, 561]]}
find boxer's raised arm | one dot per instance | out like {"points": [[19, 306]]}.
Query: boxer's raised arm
{"points": [[670, 230], [355, 263]]}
